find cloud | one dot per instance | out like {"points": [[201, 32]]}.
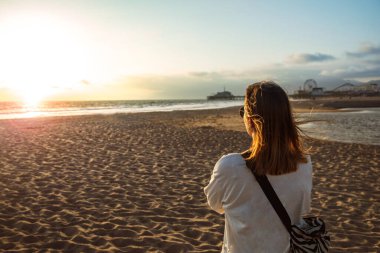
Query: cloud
{"points": [[183, 86], [362, 64], [85, 82], [216, 74], [308, 58], [364, 51], [353, 72], [200, 74], [373, 62], [201, 84]]}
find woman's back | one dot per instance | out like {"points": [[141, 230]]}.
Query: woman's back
{"points": [[251, 223], [276, 150]]}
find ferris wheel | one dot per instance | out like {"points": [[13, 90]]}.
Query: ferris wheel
{"points": [[309, 84]]}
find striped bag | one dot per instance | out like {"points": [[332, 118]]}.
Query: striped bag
{"points": [[308, 236]]}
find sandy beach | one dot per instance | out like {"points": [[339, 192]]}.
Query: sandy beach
{"points": [[134, 183]]}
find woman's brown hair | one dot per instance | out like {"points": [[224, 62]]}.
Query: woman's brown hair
{"points": [[276, 144]]}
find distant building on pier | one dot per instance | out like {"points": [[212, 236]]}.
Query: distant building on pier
{"points": [[224, 95]]}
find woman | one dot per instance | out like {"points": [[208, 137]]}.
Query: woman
{"points": [[251, 223]]}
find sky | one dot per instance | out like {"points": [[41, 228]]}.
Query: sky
{"points": [[171, 49]]}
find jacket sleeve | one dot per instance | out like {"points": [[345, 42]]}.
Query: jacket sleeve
{"points": [[215, 189], [308, 181], [310, 184]]}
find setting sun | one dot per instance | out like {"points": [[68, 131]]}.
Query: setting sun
{"points": [[41, 55], [31, 98]]}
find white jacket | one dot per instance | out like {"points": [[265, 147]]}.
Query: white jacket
{"points": [[251, 223]]}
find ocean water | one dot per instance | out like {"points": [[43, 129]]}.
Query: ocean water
{"points": [[359, 125], [15, 110]]}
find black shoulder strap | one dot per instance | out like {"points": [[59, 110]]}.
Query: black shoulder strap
{"points": [[274, 200]]}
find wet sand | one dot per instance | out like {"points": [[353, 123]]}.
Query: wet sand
{"points": [[134, 183], [334, 103]]}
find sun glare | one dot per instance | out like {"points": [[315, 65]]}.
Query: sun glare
{"points": [[41, 54], [32, 98]]}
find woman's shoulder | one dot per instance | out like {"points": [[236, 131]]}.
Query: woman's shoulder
{"points": [[306, 166], [230, 161], [231, 158]]}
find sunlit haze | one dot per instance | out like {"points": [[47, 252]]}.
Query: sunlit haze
{"points": [[114, 50]]}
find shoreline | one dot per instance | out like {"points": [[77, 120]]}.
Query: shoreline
{"points": [[227, 118], [299, 106]]}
